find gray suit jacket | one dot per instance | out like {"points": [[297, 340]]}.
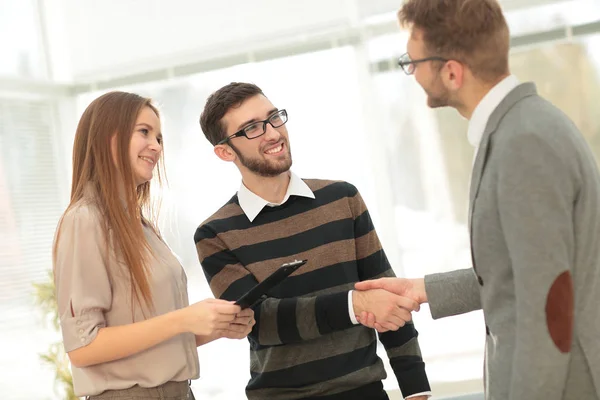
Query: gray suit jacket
{"points": [[534, 222]]}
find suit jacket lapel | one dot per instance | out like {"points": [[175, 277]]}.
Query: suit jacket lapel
{"points": [[518, 93]]}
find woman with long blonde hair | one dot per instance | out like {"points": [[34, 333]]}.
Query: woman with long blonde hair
{"points": [[127, 326]]}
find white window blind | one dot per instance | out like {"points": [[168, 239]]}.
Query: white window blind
{"points": [[30, 206]]}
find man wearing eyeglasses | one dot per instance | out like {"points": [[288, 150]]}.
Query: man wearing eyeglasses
{"points": [[534, 215], [307, 343]]}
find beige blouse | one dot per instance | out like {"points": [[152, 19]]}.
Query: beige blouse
{"points": [[93, 292]]}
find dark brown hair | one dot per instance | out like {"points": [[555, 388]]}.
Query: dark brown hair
{"points": [[473, 32], [221, 101]]}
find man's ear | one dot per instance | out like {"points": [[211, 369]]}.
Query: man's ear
{"points": [[454, 74], [224, 152]]}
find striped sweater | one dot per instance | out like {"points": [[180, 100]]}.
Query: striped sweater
{"points": [[304, 344]]}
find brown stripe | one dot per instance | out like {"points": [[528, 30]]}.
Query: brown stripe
{"points": [[318, 257], [367, 245], [290, 355], [410, 348], [317, 184], [268, 334], [358, 205], [222, 280], [208, 247], [296, 224], [370, 374]]}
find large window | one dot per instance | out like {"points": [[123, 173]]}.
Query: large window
{"points": [[31, 201], [20, 47]]}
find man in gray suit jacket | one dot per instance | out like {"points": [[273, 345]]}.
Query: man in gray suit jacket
{"points": [[534, 215]]}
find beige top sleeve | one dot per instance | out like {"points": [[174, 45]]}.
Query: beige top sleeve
{"points": [[82, 283]]}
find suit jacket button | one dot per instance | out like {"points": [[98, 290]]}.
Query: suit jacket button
{"points": [[480, 280]]}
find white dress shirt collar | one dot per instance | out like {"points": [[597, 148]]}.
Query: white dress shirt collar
{"points": [[252, 204], [486, 107]]}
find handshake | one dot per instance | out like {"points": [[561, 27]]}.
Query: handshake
{"points": [[386, 304]]}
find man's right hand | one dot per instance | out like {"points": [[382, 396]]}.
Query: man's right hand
{"points": [[412, 288], [390, 310]]}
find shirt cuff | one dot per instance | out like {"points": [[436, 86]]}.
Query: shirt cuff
{"points": [[419, 394], [81, 330], [351, 308]]}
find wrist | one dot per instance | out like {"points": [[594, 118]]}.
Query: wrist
{"points": [[179, 321], [204, 339], [358, 302], [419, 285]]}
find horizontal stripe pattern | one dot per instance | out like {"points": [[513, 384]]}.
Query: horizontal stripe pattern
{"points": [[316, 371], [347, 387], [278, 357], [304, 344], [295, 225]]}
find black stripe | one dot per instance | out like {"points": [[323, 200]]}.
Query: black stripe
{"points": [[398, 338], [203, 232], [410, 372], [363, 224], [351, 189], [316, 371], [287, 326], [254, 334], [239, 287], [328, 233], [317, 280], [212, 265], [233, 200], [332, 312], [372, 265]]}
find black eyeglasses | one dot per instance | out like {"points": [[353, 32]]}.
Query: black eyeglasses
{"points": [[257, 129], [409, 66]]}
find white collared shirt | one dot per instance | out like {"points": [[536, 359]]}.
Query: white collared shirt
{"points": [[486, 107], [252, 204]]}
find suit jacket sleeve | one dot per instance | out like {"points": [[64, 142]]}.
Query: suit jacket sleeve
{"points": [[452, 293], [536, 192]]}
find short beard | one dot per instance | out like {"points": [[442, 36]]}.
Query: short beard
{"points": [[442, 98], [262, 167]]}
